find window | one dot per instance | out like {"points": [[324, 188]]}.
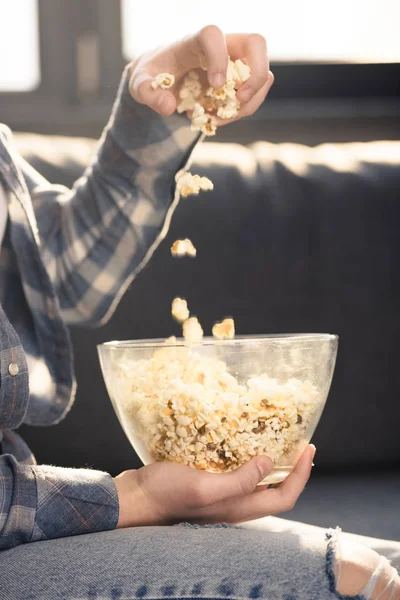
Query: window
{"points": [[19, 65], [351, 31], [61, 60]]}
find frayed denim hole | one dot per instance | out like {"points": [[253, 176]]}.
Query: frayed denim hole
{"points": [[332, 538]]}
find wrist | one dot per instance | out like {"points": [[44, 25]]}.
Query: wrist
{"points": [[134, 506]]}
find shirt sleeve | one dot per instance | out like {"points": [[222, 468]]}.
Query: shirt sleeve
{"points": [[99, 235], [46, 502]]}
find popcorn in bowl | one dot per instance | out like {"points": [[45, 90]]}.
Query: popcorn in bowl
{"points": [[213, 404], [190, 404]]}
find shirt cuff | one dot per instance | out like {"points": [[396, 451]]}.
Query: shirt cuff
{"points": [[73, 501]]}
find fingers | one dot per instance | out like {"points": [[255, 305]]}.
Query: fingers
{"points": [[257, 58], [212, 46], [253, 105], [267, 502], [258, 98], [162, 101], [211, 488], [289, 491]]}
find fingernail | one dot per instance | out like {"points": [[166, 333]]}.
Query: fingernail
{"points": [[217, 80], [264, 465]]}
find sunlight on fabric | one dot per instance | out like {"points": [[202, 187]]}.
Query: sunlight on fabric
{"points": [[311, 30], [19, 45]]}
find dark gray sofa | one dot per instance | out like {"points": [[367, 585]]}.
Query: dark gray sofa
{"points": [[292, 239]]}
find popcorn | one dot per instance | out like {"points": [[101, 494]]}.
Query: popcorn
{"points": [[186, 104], [192, 331], [224, 330], [202, 121], [220, 101], [198, 112], [210, 125], [231, 73], [229, 110], [199, 118], [163, 80], [217, 93], [242, 71], [183, 248], [189, 91], [188, 184], [186, 407], [205, 183], [179, 309]]}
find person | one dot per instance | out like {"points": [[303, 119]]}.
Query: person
{"points": [[67, 256]]}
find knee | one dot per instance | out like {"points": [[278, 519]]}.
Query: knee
{"points": [[355, 569]]}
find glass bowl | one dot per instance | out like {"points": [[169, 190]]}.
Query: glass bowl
{"points": [[216, 404]]}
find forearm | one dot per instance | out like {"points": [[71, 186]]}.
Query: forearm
{"points": [[98, 236]]}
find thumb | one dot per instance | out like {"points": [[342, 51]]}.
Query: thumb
{"points": [[240, 482]]}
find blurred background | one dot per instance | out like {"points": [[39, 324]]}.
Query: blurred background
{"points": [[336, 63], [300, 234]]}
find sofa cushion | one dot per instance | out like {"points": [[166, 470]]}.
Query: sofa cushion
{"points": [[292, 239]]}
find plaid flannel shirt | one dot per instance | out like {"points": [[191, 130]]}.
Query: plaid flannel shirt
{"points": [[67, 257]]}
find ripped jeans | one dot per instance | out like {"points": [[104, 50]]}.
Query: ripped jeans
{"points": [[271, 559]]}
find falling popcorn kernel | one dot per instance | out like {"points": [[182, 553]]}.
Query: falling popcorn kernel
{"points": [[210, 126], [224, 330], [179, 309], [163, 80], [188, 184], [205, 184], [183, 248], [192, 331]]}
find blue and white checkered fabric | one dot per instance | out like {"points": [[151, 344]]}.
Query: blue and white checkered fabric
{"points": [[67, 257]]}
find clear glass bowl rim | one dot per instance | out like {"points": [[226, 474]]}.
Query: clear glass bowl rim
{"points": [[239, 340]]}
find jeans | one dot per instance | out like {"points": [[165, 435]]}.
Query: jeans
{"points": [[270, 559]]}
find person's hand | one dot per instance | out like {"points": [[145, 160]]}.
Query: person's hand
{"points": [[164, 493], [208, 49]]}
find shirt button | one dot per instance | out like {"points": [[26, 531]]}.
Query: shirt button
{"points": [[13, 369]]}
